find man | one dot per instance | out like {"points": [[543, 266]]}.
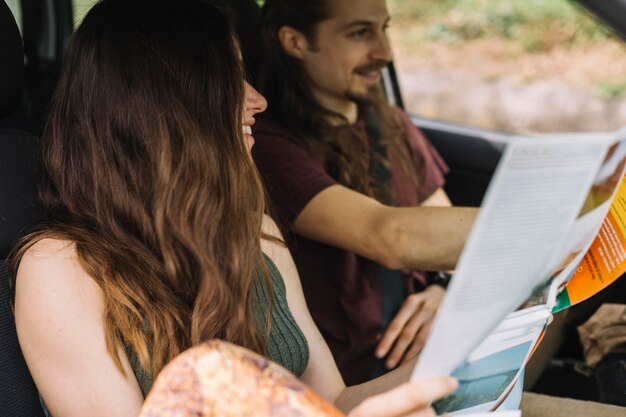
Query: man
{"points": [[352, 213], [339, 162]]}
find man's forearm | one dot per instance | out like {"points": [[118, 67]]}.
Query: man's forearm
{"points": [[429, 238]]}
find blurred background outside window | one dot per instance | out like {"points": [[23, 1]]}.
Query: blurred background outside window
{"points": [[80, 9], [16, 9], [514, 65], [511, 65]]}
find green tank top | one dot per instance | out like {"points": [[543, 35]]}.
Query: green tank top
{"points": [[287, 345]]}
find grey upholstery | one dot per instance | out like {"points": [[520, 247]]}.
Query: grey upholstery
{"points": [[19, 206], [18, 200], [18, 212], [12, 57], [18, 394]]}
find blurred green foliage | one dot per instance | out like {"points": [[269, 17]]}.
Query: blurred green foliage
{"points": [[538, 24], [607, 90], [80, 9]]}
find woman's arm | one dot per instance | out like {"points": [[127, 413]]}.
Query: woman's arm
{"points": [[321, 373], [409, 399], [59, 317]]}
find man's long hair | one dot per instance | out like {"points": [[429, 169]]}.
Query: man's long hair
{"points": [[145, 170], [285, 84]]}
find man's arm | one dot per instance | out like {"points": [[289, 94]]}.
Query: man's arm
{"points": [[429, 238]]}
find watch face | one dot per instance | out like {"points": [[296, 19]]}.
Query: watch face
{"points": [[438, 278]]}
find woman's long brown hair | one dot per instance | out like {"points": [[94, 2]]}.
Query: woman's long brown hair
{"points": [[146, 171]]}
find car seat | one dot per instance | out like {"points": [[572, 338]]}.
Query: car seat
{"points": [[247, 25], [18, 212]]}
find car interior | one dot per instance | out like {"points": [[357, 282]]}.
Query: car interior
{"points": [[31, 56], [18, 212]]}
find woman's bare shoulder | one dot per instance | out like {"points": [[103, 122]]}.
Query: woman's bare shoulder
{"points": [[59, 317], [50, 249], [52, 265], [270, 227], [272, 243]]}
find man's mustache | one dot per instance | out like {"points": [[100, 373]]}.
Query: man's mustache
{"points": [[374, 66]]}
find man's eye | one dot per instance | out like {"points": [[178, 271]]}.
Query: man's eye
{"points": [[359, 34]]}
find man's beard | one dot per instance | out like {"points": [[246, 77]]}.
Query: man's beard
{"points": [[366, 98], [374, 91]]}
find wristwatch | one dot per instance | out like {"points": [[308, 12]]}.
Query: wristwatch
{"points": [[438, 278]]}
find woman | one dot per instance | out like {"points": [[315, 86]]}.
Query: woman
{"points": [[155, 238]]}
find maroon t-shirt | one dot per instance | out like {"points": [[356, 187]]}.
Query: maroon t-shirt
{"points": [[343, 290]]}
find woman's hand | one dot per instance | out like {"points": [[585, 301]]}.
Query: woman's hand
{"points": [[410, 399], [408, 330]]}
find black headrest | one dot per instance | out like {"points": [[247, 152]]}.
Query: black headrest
{"points": [[12, 58], [248, 23], [19, 205]]}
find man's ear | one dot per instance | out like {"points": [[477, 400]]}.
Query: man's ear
{"points": [[293, 42]]}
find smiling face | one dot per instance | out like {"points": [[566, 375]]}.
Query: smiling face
{"points": [[344, 60], [254, 103]]}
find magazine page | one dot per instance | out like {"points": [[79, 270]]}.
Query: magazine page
{"points": [[517, 328], [491, 371], [605, 261], [587, 225], [536, 194], [484, 384]]}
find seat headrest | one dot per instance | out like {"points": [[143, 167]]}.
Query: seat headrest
{"points": [[12, 58], [20, 209], [248, 21]]}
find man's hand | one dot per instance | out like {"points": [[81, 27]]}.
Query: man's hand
{"points": [[409, 399], [410, 327]]}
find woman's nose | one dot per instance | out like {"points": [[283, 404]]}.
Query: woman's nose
{"points": [[255, 102]]}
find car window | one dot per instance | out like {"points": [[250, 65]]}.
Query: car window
{"points": [[80, 9], [514, 65], [16, 8]]}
